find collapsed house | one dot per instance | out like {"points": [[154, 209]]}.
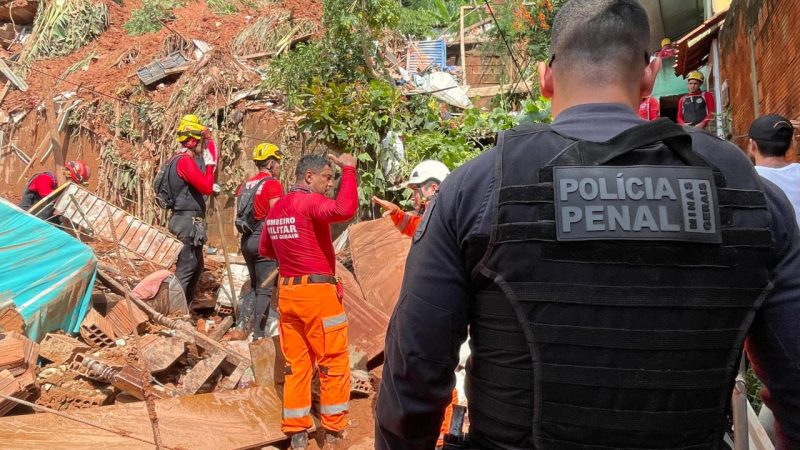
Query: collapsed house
{"points": [[94, 332]]}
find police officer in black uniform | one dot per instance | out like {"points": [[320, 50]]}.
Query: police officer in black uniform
{"points": [[608, 270]]}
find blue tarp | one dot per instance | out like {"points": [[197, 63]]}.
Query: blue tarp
{"points": [[45, 272]]}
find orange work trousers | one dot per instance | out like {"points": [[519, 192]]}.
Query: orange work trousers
{"points": [[313, 332], [448, 418]]}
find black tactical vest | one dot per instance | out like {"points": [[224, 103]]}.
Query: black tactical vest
{"points": [[187, 198], [614, 312], [29, 197], [695, 109]]}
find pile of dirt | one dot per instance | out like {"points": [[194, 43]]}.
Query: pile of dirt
{"points": [[118, 55]]}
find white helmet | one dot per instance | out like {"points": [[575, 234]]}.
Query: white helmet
{"points": [[428, 170]]}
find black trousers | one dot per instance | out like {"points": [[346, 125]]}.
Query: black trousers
{"points": [[260, 268], [190, 260]]}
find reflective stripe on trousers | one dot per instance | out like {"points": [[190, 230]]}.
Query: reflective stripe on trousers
{"points": [[313, 332]]}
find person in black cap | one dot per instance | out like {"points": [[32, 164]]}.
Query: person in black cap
{"points": [[607, 270], [770, 140]]}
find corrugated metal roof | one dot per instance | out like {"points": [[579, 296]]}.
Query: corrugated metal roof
{"points": [[422, 54], [672, 18]]}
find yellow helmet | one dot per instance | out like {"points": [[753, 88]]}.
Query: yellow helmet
{"points": [[189, 126], [665, 41], [267, 150], [696, 75]]}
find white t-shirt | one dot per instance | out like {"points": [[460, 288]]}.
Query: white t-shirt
{"points": [[788, 179]]}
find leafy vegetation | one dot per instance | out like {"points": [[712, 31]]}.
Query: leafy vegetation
{"points": [[150, 17], [63, 27], [357, 117]]}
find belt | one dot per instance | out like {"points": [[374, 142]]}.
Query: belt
{"points": [[189, 213], [309, 279]]}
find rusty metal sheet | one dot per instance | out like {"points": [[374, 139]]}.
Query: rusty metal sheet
{"points": [[151, 243], [379, 259], [245, 418], [366, 323]]}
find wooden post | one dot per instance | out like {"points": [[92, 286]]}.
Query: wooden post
{"points": [[234, 304], [55, 140], [462, 45]]}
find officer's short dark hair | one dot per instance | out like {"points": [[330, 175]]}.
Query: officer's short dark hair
{"points": [[600, 40], [314, 163], [262, 164], [772, 134]]}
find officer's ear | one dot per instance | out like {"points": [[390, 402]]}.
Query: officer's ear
{"points": [[545, 79], [649, 77], [308, 177]]}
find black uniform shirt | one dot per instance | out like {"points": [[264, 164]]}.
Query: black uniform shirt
{"points": [[430, 320]]}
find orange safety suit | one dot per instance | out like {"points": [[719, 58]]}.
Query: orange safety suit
{"points": [[313, 323], [407, 223]]}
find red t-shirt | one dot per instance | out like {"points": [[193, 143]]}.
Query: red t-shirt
{"points": [[188, 170], [649, 109], [266, 192], [299, 232], [42, 184]]}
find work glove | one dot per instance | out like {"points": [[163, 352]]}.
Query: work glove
{"points": [[210, 154]]}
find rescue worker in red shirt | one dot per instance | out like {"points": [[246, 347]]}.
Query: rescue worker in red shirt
{"points": [[426, 177], [190, 177], [313, 323], [697, 107], [253, 201], [43, 183], [649, 108]]}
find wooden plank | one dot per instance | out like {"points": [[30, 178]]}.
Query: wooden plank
{"points": [[379, 253], [59, 153], [237, 419]]}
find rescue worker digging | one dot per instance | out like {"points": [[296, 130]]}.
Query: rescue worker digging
{"points": [[253, 202], [188, 177], [313, 323], [608, 270], [42, 184]]}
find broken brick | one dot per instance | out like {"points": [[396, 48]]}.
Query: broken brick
{"points": [[17, 353], [60, 349], [125, 317], [97, 330], [11, 320]]}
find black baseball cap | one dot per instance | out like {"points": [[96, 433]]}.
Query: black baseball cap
{"points": [[772, 128]]}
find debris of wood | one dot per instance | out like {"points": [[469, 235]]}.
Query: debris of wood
{"points": [[201, 373], [267, 361], [379, 257], [162, 352], [367, 323], [246, 418], [219, 331], [18, 82], [97, 330], [60, 349]]}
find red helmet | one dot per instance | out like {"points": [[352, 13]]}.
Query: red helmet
{"points": [[78, 171]]}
